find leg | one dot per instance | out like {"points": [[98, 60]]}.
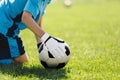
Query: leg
{"points": [[18, 52]]}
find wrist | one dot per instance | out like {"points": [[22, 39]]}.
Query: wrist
{"points": [[45, 37]]}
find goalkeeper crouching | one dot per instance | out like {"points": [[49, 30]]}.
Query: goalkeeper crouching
{"points": [[17, 15]]}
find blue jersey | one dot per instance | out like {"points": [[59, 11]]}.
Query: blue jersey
{"points": [[11, 12]]}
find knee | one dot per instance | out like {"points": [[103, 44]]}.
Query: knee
{"points": [[21, 59]]}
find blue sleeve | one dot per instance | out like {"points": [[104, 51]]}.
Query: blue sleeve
{"points": [[32, 8]]}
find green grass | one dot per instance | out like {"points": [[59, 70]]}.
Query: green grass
{"points": [[92, 30]]}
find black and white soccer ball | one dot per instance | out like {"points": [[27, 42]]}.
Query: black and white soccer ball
{"points": [[48, 60]]}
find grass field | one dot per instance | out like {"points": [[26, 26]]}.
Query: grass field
{"points": [[92, 30]]}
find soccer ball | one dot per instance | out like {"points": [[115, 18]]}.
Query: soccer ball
{"points": [[67, 3], [48, 60]]}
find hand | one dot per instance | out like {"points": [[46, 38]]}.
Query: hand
{"points": [[52, 45]]}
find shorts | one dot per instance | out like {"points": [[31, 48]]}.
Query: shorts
{"points": [[10, 47]]}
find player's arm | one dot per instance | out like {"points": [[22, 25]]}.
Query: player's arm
{"points": [[39, 41], [50, 42], [31, 24]]}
